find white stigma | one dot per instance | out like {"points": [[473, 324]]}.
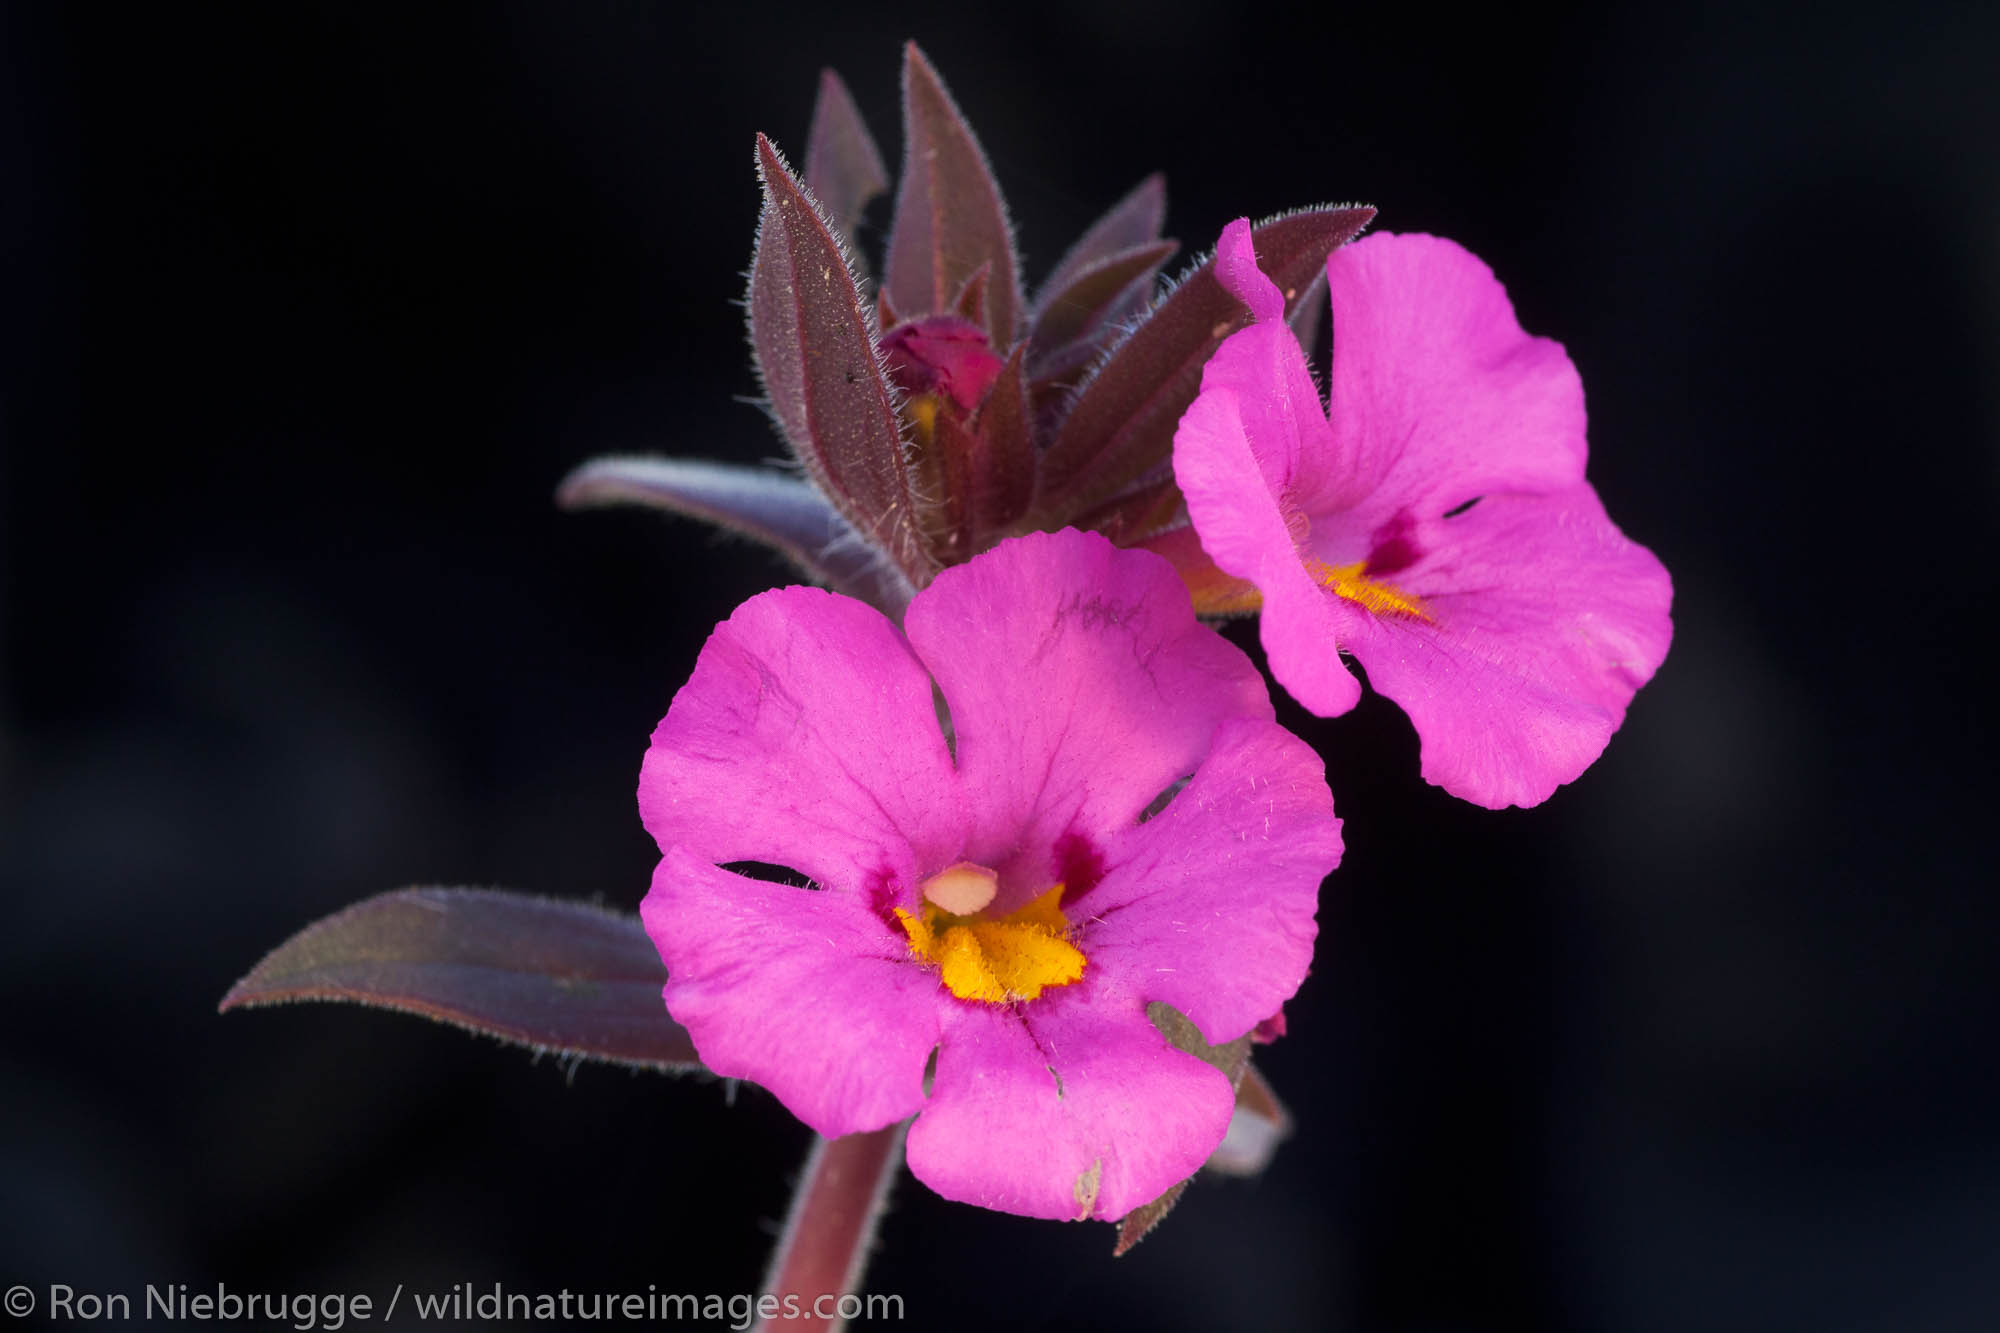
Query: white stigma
{"points": [[962, 889]]}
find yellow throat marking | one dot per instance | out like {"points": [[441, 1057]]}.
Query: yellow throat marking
{"points": [[1353, 583], [1014, 957]]}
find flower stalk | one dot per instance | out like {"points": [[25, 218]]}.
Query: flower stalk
{"points": [[831, 1226]]}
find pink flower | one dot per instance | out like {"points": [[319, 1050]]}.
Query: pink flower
{"points": [[1004, 903], [1434, 522]]}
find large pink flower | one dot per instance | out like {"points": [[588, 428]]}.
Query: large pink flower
{"points": [[1003, 902], [1434, 521]]}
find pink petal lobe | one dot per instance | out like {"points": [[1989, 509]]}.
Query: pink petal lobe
{"points": [[1438, 395], [1236, 268], [1241, 523], [1545, 620], [1245, 530], [1208, 906], [805, 992], [1072, 1106], [1080, 685], [806, 737], [1282, 416], [1303, 629]]}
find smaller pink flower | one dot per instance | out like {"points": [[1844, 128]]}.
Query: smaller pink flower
{"points": [[1433, 521], [1003, 903]]}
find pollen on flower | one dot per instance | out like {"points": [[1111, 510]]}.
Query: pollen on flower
{"points": [[1353, 583], [1013, 957]]}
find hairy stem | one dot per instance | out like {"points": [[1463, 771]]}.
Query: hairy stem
{"points": [[831, 1226]]}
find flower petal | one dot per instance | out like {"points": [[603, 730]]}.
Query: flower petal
{"points": [[1280, 409], [1080, 685], [804, 992], [1522, 666], [1073, 1106], [806, 737], [1438, 396], [1303, 628], [1208, 906], [1545, 619], [1242, 527]]}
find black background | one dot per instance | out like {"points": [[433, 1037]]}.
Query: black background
{"points": [[307, 309]]}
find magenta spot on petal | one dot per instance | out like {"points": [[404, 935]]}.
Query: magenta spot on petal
{"points": [[882, 893], [1394, 545], [1079, 866], [942, 354]]}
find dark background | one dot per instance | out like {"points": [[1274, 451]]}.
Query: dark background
{"points": [[308, 308]]}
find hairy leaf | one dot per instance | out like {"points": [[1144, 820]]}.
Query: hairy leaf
{"points": [[784, 512], [1121, 424], [1133, 221], [1070, 328], [950, 218], [844, 168], [563, 977], [815, 351]]}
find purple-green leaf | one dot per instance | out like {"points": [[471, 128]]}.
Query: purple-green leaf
{"points": [[562, 977], [1121, 422], [950, 218], [815, 349], [1133, 221], [844, 168], [781, 511], [1072, 325]]}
